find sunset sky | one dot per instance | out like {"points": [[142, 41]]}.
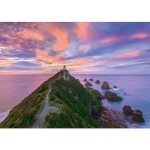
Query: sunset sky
{"points": [[84, 47]]}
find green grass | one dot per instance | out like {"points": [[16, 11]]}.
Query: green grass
{"points": [[76, 105], [93, 92], [22, 115]]}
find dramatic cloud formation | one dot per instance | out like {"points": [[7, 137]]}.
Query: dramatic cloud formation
{"points": [[84, 47]]}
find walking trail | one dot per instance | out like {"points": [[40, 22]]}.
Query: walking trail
{"points": [[40, 118]]}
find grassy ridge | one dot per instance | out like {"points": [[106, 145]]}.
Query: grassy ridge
{"points": [[22, 115], [76, 105]]}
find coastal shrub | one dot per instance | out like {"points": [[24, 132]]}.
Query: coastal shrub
{"points": [[27, 118], [73, 113], [27, 108]]}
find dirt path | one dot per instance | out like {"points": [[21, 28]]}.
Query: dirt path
{"points": [[40, 119]]}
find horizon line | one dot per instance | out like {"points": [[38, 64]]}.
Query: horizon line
{"points": [[78, 74]]}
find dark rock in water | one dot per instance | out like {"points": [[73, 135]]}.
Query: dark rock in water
{"points": [[97, 82], [115, 87], [137, 116], [85, 80], [88, 84], [105, 85], [78, 80], [112, 96], [137, 110], [91, 79], [127, 110]]}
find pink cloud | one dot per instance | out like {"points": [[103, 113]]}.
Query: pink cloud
{"points": [[84, 48], [109, 40], [127, 55], [139, 36]]}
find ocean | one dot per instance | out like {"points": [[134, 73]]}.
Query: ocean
{"points": [[133, 88]]}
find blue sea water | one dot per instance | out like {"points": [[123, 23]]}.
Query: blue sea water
{"points": [[15, 88]]}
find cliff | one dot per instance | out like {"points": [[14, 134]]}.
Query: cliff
{"points": [[60, 102]]}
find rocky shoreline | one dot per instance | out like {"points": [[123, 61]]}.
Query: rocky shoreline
{"points": [[114, 119], [110, 118]]}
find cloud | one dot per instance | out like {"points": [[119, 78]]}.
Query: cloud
{"points": [[26, 63], [139, 36], [109, 40], [41, 45], [20, 53], [62, 40], [26, 34], [127, 54], [84, 48]]}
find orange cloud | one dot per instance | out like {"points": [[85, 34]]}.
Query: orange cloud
{"points": [[31, 34], [60, 35], [43, 55], [82, 31], [62, 40], [128, 54], [139, 35], [6, 62]]}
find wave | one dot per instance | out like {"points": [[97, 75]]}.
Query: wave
{"points": [[115, 89], [4, 114]]}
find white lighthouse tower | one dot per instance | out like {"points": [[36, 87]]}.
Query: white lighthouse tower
{"points": [[64, 68]]}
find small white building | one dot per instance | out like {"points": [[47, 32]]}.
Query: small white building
{"points": [[64, 68]]}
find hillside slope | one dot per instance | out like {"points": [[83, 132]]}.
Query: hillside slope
{"points": [[75, 103]]}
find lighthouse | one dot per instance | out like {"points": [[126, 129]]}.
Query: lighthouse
{"points": [[64, 68]]}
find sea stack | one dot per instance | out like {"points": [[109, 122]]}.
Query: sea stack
{"points": [[85, 80], [97, 82], [127, 110], [105, 86], [137, 116], [112, 96], [88, 84]]}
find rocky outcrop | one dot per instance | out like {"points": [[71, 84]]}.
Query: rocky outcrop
{"points": [[65, 75], [78, 80], [97, 82], [88, 84], [105, 85], [137, 116], [100, 97], [96, 112], [91, 79], [127, 110], [85, 80], [115, 87], [107, 121], [114, 119], [112, 96]]}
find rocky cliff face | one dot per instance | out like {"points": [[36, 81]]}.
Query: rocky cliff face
{"points": [[114, 119], [65, 75]]}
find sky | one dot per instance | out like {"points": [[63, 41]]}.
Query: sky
{"points": [[84, 47]]}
